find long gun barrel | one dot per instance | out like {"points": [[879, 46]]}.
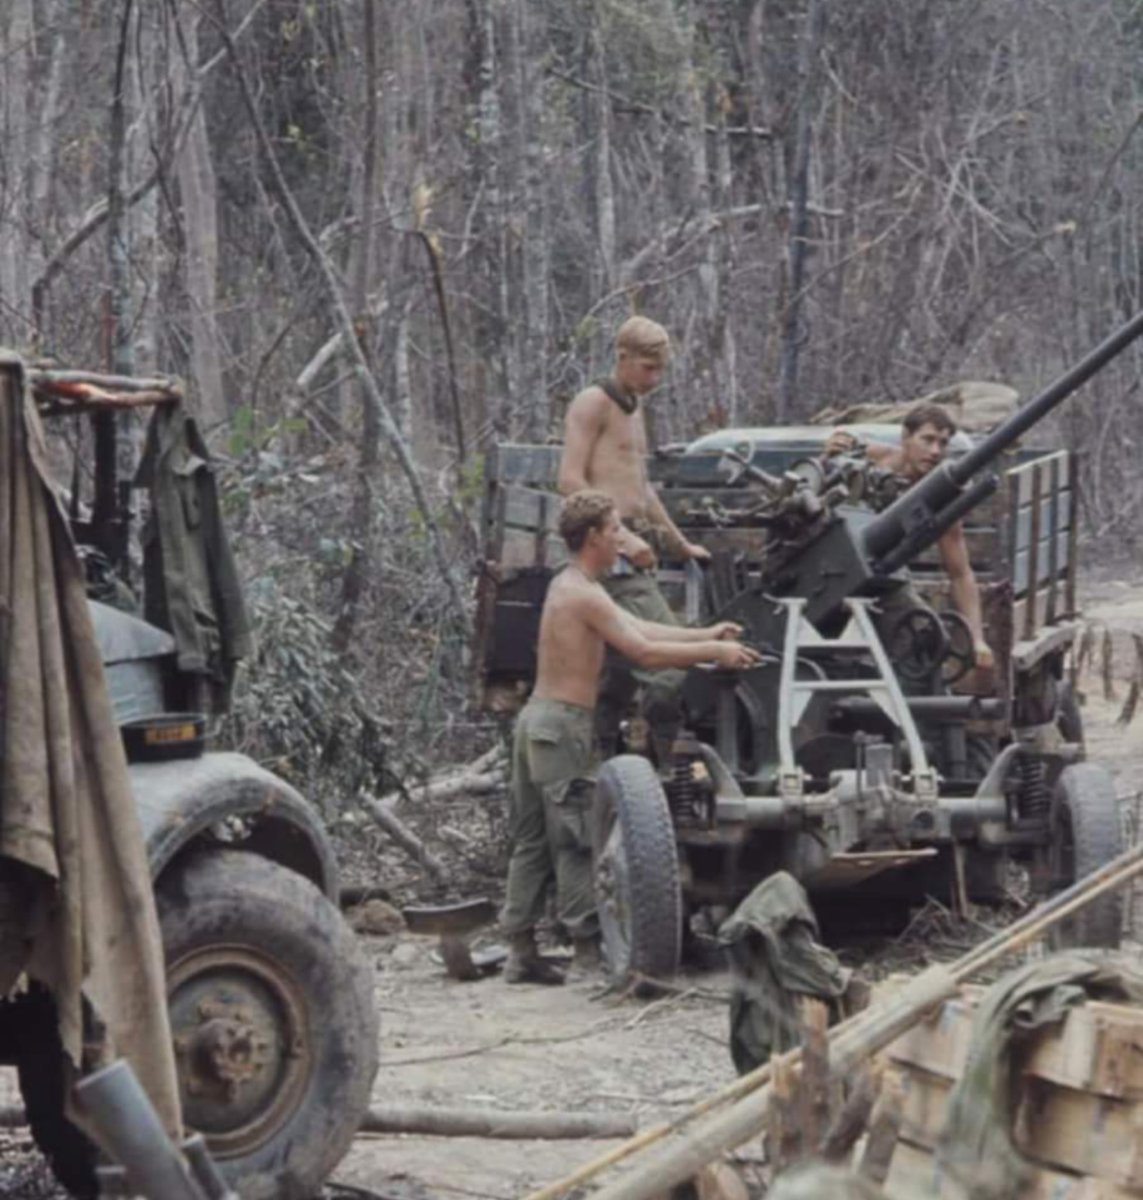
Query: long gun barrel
{"points": [[916, 517]]}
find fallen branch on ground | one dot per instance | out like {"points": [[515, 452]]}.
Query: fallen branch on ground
{"points": [[487, 774], [403, 836], [490, 1123], [459, 1122]]}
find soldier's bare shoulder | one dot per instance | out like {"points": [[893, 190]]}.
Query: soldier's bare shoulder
{"points": [[593, 401], [572, 589]]}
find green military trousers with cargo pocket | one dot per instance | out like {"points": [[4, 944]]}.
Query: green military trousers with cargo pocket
{"points": [[660, 702], [553, 788]]}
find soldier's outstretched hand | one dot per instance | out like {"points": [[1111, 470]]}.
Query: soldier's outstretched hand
{"points": [[735, 656], [639, 552], [723, 631], [840, 441]]}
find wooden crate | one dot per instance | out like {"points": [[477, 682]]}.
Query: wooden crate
{"points": [[914, 1175], [1080, 1115]]}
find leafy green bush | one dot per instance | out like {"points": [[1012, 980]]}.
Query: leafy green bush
{"points": [[297, 709]]}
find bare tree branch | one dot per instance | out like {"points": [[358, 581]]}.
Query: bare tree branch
{"points": [[344, 320]]}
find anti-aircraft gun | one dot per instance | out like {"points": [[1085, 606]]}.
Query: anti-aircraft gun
{"points": [[864, 754]]}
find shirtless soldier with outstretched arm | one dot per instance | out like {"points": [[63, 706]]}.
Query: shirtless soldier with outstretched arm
{"points": [[554, 757], [605, 447]]}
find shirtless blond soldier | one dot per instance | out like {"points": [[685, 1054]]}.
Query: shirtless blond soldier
{"points": [[553, 756], [605, 447], [925, 434]]}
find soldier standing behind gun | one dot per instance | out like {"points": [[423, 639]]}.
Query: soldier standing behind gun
{"points": [[605, 447], [553, 759]]}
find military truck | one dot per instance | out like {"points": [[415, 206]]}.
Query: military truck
{"points": [[270, 997], [864, 754]]}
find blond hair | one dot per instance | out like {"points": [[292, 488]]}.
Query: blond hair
{"points": [[641, 337], [582, 512]]}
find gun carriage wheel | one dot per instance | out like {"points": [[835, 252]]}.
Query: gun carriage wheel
{"points": [[636, 869], [1086, 832]]}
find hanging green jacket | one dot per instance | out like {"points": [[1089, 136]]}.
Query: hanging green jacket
{"points": [[192, 586]]}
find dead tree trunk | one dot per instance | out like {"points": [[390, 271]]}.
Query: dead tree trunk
{"points": [[15, 46], [194, 171], [796, 244], [359, 570], [120, 358]]}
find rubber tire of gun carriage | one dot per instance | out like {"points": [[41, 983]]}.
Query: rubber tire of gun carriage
{"points": [[1086, 832], [635, 865], [273, 1017]]}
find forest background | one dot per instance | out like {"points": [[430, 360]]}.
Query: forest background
{"points": [[376, 237]]}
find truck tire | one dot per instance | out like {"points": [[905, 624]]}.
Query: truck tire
{"points": [[1086, 833], [273, 1019], [636, 870]]}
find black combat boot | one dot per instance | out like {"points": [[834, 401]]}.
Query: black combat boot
{"points": [[525, 962]]}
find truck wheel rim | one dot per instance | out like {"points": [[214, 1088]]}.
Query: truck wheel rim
{"points": [[612, 889], [242, 1045]]}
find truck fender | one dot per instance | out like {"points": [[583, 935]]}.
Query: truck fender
{"points": [[184, 802]]}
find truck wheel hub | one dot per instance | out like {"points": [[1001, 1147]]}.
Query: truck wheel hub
{"points": [[241, 1045]]}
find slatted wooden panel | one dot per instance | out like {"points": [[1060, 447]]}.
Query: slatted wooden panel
{"points": [[534, 466], [1091, 1050], [914, 1175], [1036, 506], [1081, 1094], [1042, 535], [522, 530]]}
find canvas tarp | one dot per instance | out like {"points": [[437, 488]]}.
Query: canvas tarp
{"points": [[66, 809], [975, 406]]}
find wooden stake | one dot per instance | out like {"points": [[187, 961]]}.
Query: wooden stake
{"points": [[781, 1140], [884, 1126], [814, 1089], [850, 1121]]}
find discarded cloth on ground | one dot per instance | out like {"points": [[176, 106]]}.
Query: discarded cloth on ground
{"points": [[776, 958]]}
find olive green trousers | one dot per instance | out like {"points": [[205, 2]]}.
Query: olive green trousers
{"points": [[553, 788], [660, 692]]}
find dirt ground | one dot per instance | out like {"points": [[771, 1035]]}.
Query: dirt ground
{"points": [[579, 1048]]}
